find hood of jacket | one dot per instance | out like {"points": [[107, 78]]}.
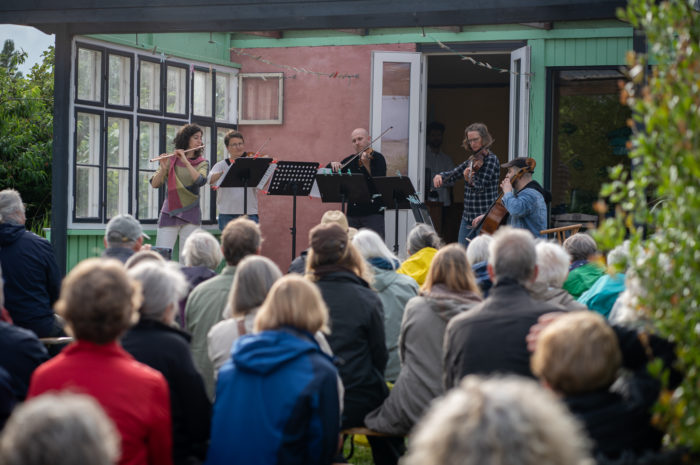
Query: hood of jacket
{"points": [[10, 233], [446, 303], [265, 352], [383, 278]]}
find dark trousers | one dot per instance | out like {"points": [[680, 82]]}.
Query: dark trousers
{"points": [[374, 222]]}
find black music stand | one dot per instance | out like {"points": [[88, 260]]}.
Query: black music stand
{"points": [[293, 178], [342, 188], [242, 172], [395, 190]]}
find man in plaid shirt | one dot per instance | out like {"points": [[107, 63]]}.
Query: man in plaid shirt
{"points": [[481, 187]]}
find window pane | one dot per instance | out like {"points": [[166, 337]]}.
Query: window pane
{"points": [[226, 92], [176, 90], [119, 80], [118, 142], [87, 139], [170, 133], [205, 190], [202, 94], [260, 98], [89, 74], [148, 197], [149, 86], [117, 192], [395, 105], [87, 192], [148, 144], [221, 151]]}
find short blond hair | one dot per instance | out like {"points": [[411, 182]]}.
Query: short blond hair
{"points": [[98, 300], [293, 301], [451, 268], [577, 353]]}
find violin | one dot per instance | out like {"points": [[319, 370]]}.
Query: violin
{"points": [[497, 212], [476, 161], [367, 148]]}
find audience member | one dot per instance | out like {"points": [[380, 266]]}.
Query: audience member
{"points": [[144, 256], [478, 256], [491, 337], [448, 290], [578, 356], [357, 319], [584, 269], [206, 303], [298, 265], [201, 257], [254, 278], [98, 301], [123, 237], [276, 398], [422, 244], [158, 343], [32, 277], [552, 270], [603, 294], [498, 421], [60, 429], [20, 354], [394, 291]]}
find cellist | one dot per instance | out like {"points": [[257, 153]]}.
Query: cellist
{"points": [[480, 173], [525, 200]]}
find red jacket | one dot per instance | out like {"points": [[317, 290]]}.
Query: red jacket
{"points": [[135, 396]]}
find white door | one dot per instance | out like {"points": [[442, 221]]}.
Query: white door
{"points": [[396, 101], [519, 103]]}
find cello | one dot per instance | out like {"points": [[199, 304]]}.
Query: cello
{"points": [[497, 212]]}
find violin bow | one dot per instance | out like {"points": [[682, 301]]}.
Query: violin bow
{"points": [[366, 147], [257, 152]]}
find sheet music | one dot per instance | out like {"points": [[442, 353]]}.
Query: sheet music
{"points": [[315, 191], [262, 185], [223, 175]]}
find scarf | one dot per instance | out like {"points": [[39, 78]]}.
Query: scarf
{"points": [[384, 264], [182, 197]]}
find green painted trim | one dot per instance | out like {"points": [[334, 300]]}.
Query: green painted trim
{"points": [[171, 46], [316, 38], [538, 90]]}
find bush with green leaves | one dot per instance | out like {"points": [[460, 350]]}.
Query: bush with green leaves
{"points": [[658, 201]]}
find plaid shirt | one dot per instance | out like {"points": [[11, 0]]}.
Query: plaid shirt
{"points": [[481, 193]]}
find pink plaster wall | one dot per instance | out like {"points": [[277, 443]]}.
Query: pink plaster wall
{"points": [[319, 115]]}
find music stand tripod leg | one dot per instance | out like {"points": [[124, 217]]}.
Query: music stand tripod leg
{"points": [[396, 224], [293, 229], [245, 196]]}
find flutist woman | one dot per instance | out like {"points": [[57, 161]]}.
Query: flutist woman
{"points": [[183, 173]]}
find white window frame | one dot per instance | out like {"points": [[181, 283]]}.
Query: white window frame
{"points": [[242, 97], [519, 114]]}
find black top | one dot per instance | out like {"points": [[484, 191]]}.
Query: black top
{"points": [[378, 167]]}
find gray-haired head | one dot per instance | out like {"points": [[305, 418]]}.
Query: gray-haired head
{"points": [[202, 249], [254, 277], [163, 285], [512, 255], [498, 421], [552, 264], [59, 429], [619, 257], [371, 245], [420, 237], [478, 249], [580, 246], [11, 207]]}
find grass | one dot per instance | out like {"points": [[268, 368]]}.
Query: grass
{"points": [[361, 456]]}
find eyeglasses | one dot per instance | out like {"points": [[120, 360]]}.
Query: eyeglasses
{"points": [[474, 140], [238, 144]]}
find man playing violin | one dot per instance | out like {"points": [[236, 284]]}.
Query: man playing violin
{"points": [[370, 163], [229, 200], [525, 200], [480, 171]]}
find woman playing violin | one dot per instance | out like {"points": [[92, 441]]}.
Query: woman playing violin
{"points": [[183, 173], [480, 172], [229, 200], [524, 199]]}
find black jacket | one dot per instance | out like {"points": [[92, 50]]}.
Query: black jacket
{"points": [[378, 168], [490, 338], [358, 342], [167, 350]]}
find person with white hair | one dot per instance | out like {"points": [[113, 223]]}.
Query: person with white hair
{"points": [[603, 294], [394, 290], [59, 429], [422, 244], [478, 257], [491, 337], [32, 277], [552, 270], [498, 421], [156, 342], [201, 256]]}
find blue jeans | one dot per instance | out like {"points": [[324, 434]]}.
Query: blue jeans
{"points": [[465, 231], [224, 218]]}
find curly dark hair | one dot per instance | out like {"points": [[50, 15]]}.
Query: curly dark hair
{"points": [[182, 138]]}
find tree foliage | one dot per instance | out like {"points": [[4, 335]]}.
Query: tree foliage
{"points": [[26, 131], [658, 201]]}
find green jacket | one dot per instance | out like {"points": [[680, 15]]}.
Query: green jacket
{"points": [[582, 278]]}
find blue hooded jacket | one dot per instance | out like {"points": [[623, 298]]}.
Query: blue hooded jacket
{"points": [[276, 402]]}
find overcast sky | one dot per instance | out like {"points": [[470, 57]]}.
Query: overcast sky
{"points": [[29, 39]]}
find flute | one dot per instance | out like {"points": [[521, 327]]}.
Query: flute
{"points": [[172, 154]]}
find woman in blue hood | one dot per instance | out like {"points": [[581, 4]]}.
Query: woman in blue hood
{"points": [[277, 398]]}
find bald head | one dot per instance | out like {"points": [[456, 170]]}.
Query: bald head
{"points": [[360, 139]]}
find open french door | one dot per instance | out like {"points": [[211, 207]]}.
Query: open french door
{"points": [[519, 103]]}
